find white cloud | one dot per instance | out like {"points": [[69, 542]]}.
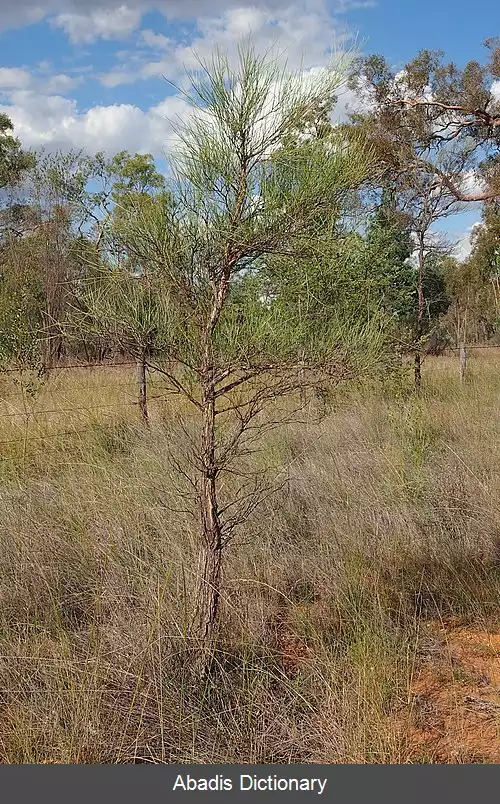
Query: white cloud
{"points": [[463, 246], [303, 31], [472, 182], [85, 20], [16, 79], [112, 23], [118, 77], [56, 123], [152, 39]]}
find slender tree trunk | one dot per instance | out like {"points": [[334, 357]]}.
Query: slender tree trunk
{"points": [[211, 548], [143, 388], [420, 314], [462, 346]]}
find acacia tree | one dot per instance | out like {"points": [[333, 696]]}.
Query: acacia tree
{"points": [[244, 191]]}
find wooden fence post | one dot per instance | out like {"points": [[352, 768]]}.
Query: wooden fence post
{"points": [[143, 388], [463, 362]]}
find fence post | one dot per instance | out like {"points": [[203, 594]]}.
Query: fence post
{"points": [[143, 388], [463, 362]]}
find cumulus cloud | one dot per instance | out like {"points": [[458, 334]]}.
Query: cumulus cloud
{"points": [[472, 183], [100, 23], [303, 32], [14, 78], [300, 31], [55, 122], [463, 246], [17, 79], [86, 19], [152, 39]]}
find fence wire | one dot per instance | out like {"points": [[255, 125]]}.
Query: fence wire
{"points": [[115, 364]]}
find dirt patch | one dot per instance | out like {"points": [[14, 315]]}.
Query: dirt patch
{"points": [[454, 708]]}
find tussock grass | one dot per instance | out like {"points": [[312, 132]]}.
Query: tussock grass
{"points": [[390, 518]]}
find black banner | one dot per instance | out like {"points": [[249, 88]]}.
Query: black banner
{"points": [[345, 784]]}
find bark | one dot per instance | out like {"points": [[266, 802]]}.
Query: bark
{"points": [[210, 557], [420, 313]]}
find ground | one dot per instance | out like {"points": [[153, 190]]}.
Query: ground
{"points": [[455, 696]]}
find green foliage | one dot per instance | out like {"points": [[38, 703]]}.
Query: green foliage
{"points": [[248, 200], [134, 173], [436, 295], [21, 303], [388, 270], [485, 257], [13, 160], [472, 284], [263, 186], [435, 115]]}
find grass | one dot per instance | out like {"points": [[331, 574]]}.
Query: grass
{"points": [[389, 522]]}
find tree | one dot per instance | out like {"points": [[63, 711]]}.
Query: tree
{"points": [[13, 160], [412, 160], [387, 253], [21, 303], [485, 254], [473, 284], [454, 115], [243, 193], [137, 184], [19, 286]]}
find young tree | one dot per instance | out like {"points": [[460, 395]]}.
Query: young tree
{"points": [[136, 184], [244, 192]]}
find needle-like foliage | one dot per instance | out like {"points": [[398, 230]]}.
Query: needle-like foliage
{"points": [[244, 190]]}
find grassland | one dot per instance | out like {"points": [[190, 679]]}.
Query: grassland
{"points": [[361, 601]]}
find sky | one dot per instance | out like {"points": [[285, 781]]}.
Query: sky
{"points": [[94, 74]]}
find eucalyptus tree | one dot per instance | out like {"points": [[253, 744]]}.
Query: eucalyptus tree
{"points": [[423, 154]]}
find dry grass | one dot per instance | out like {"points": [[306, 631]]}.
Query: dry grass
{"points": [[390, 520]]}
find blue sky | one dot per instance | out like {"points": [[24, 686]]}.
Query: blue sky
{"points": [[90, 73]]}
